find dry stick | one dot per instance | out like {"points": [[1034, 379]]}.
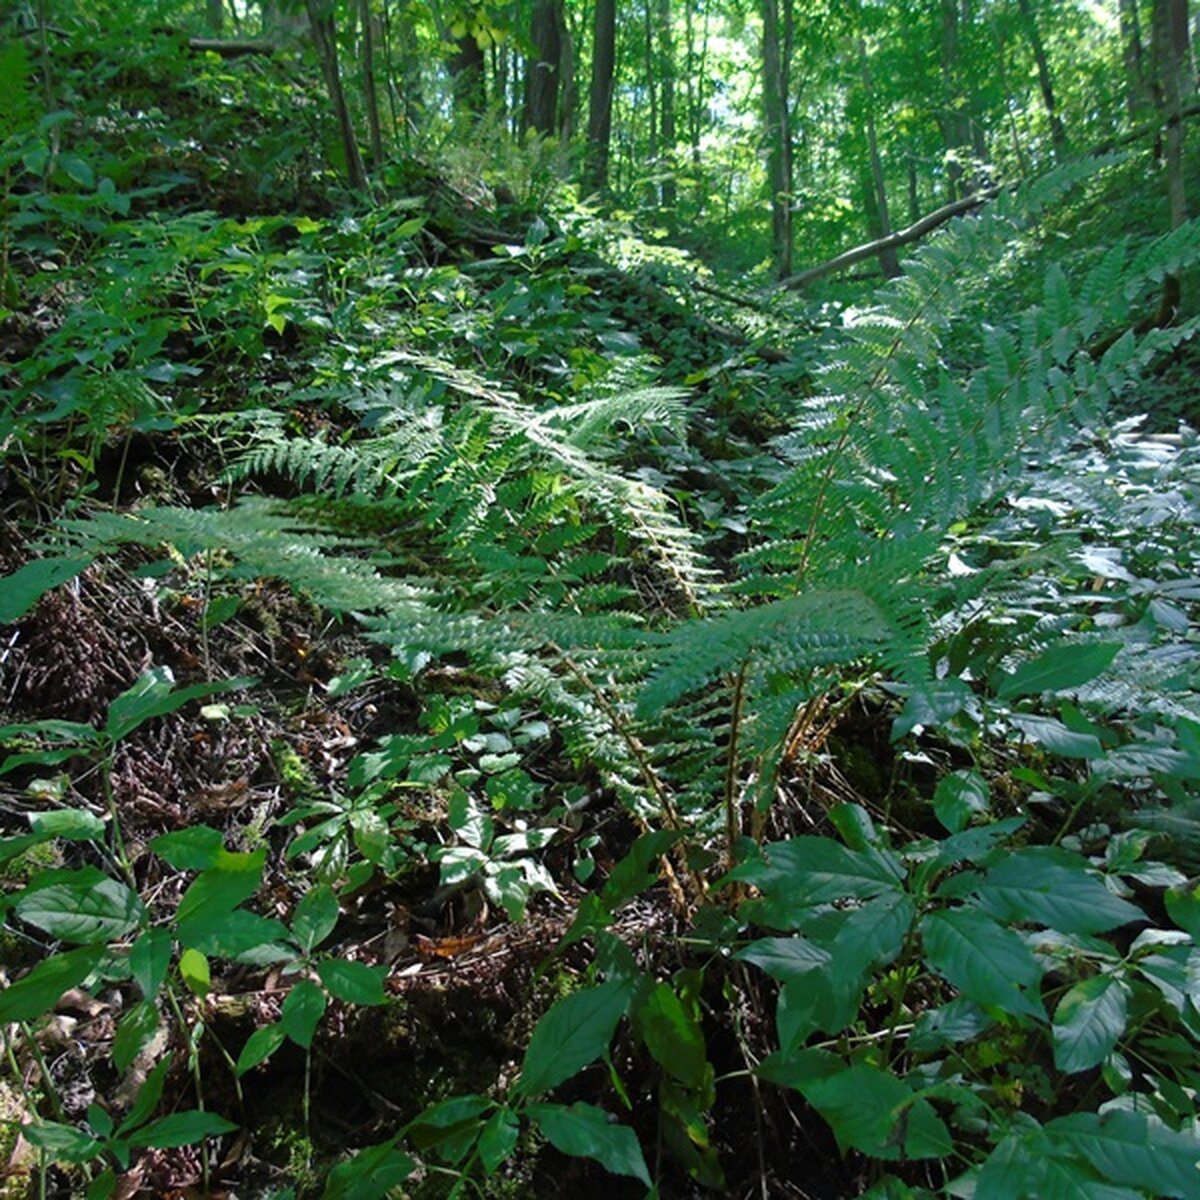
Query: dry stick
{"points": [[732, 816]]}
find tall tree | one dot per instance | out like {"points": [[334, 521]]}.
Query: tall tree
{"points": [[778, 132], [600, 96], [1058, 135], [370, 95], [955, 116], [887, 255], [666, 73], [1173, 81], [1136, 89], [324, 32], [543, 68]]}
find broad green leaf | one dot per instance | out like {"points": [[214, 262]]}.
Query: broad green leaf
{"points": [[1088, 1021], [785, 958], [149, 960], [99, 1121], [808, 871], [180, 1129], [1059, 669], [450, 1128], [961, 1020], [302, 1012], [1183, 907], [86, 913], [877, 1113], [148, 1096], [798, 1068], [371, 1174], [260, 1045], [638, 870], [223, 886], [64, 1143], [315, 916], [353, 982], [13, 847], [192, 849], [134, 1032], [21, 590], [1044, 885], [983, 960], [573, 1033], [673, 1036], [498, 1139], [155, 695], [584, 1131], [1056, 737], [194, 970], [958, 797], [1133, 1149], [239, 935], [75, 824]]}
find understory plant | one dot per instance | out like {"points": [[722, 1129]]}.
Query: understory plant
{"points": [[985, 987]]}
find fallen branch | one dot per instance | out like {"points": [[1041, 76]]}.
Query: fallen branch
{"points": [[902, 237], [227, 48]]}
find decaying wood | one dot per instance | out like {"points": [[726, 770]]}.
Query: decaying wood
{"points": [[902, 237], [230, 47]]}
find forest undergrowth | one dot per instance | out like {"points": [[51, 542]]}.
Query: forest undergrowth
{"points": [[484, 716]]}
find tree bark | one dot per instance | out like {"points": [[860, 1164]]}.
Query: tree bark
{"points": [[542, 70], [374, 129], [779, 138], [600, 97], [1173, 82], [888, 262], [666, 62], [215, 10], [1058, 135], [320, 19], [466, 77], [1136, 91]]}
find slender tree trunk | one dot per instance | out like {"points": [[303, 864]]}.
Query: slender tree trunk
{"points": [[1137, 92], [888, 261], [374, 130], [216, 16], [542, 70], [914, 199], [1058, 135], [1009, 102], [568, 90], [467, 78], [652, 90], [324, 33], [666, 62], [779, 138], [697, 66], [1172, 83], [956, 119], [600, 97]]}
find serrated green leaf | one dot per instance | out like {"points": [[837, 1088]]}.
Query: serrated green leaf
{"points": [[223, 886], [195, 973], [192, 849], [1044, 885], [353, 982], [673, 1036], [86, 912], [1088, 1021], [302, 1012], [573, 1033], [240, 935], [1059, 669], [371, 1174], [983, 960], [498, 1139], [181, 1129], [134, 1032], [1183, 907], [150, 959], [260, 1045], [1056, 737], [74, 824], [1133, 1149], [315, 917], [21, 590], [785, 958], [958, 797], [584, 1131]]}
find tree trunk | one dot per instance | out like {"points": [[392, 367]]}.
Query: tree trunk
{"points": [[1058, 135], [1173, 76], [320, 19], [467, 79], [955, 118], [1137, 93], [374, 129], [568, 92], [666, 62], [216, 16], [779, 138], [888, 262], [697, 66], [542, 70], [600, 97]]}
